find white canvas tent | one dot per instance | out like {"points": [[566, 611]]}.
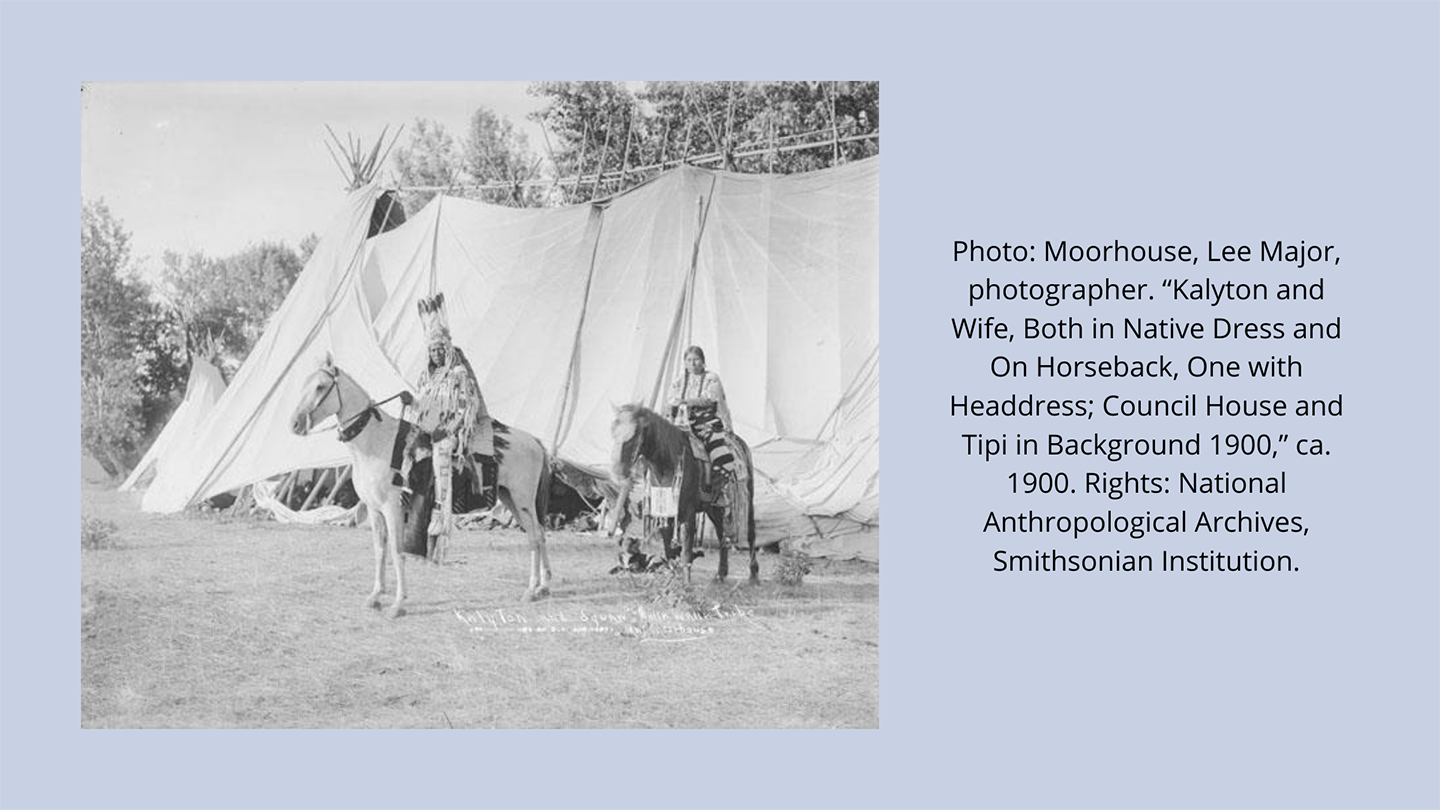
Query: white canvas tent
{"points": [[567, 312], [203, 390]]}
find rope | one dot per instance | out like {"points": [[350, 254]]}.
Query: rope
{"points": [[371, 406]]}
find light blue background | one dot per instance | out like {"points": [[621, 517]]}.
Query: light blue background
{"points": [[1176, 124], [1152, 124]]}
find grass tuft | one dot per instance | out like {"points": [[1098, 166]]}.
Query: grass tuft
{"points": [[667, 587], [792, 570], [96, 533]]}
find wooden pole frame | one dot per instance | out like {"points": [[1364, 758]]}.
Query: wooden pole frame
{"points": [[575, 181], [600, 165]]}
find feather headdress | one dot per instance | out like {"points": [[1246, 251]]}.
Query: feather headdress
{"points": [[432, 316]]}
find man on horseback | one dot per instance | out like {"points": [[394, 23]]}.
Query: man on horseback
{"points": [[450, 410]]}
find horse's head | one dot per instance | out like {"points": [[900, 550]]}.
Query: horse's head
{"points": [[320, 398], [627, 431]]}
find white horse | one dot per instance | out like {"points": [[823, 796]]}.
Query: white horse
{"points": [[523, 473]]}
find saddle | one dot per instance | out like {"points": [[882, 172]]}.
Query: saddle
{"points": [[720, 461], [412, 440], [709, 442], [482, 438]]}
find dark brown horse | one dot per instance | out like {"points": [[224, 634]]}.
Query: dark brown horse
{"points": [[646, 438]]}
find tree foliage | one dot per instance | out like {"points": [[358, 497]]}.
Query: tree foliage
{"points": [[430, 159], [135, 352], [128, 366], [307, 247], [602, 138], [493, 152], [590, 126], [737, 126], [229, 300], [496, 152]]}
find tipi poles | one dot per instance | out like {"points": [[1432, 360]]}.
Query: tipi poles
{"points": [[686, 299], [318, 484], [345, 473], [566, 411]]}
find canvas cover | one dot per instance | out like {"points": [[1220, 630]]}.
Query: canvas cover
{"points": [[568, 312]]}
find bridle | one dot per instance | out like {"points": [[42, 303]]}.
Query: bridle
{"points": [[348, 428]]}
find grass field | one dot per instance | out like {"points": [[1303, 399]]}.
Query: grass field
{"points": [[199, 622]]}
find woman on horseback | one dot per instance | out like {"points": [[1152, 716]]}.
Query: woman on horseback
{"points": [[700, 391]]}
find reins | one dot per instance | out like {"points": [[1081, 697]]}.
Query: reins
{"points": [[348, 429]]}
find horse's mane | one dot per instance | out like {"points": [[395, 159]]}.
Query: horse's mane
{"points": [[638, 410], [668, 444]]}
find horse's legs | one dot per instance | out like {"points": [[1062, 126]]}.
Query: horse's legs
{"points": [[539, 584], [686, 524], [377, 538], [539, 557], [394, 528], [669, 541], [749, 502], [544, 551], [717, 519]]}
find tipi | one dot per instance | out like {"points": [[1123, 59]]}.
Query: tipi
{"points": [[202, 391]]}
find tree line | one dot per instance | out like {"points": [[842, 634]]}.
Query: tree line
{"points": [[138, 339], [602, 138]]}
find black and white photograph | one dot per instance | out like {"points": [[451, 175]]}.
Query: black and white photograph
{"points": [[544, 404]]}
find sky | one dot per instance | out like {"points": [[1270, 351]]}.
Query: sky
{"points": [[216, 166]]}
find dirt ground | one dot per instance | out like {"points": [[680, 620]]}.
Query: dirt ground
{"points": [[201, 622]]}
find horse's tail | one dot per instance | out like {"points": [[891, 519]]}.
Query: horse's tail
{"points": [[749, 527]]}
